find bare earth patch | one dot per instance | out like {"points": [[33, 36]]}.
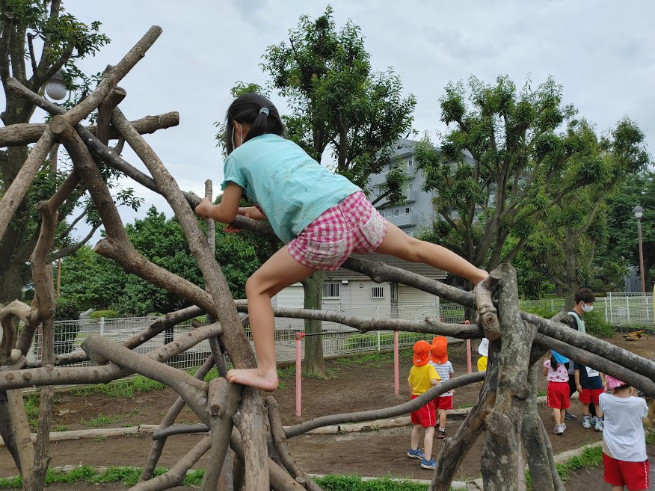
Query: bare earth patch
{"points": [[352, 387]]}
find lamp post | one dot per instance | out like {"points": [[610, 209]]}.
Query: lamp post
{"points": [[639, 212], [56, 86]]}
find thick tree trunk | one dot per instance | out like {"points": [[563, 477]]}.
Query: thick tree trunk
{"points": [[505, 421], [313, 293]]}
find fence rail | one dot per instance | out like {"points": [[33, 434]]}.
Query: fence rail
{"points": [[619, 308]]}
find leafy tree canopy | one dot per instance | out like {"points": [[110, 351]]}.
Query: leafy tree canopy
{"points": [[513, 157]]}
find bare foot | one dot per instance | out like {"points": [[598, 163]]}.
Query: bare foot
{"points": [[265, 380]]}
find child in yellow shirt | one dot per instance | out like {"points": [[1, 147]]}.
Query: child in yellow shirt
{"points": [[422, 376]]}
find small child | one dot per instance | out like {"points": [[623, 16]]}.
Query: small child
{"points": [[557, 394], [590, 383], [483, 349], [445, 370], [422, 377], [624, 444]]}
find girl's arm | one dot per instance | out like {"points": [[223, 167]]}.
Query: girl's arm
{"points": [[252, 212], [227, 210]]}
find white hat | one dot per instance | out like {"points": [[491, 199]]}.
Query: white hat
{"points": [[483, 349]]}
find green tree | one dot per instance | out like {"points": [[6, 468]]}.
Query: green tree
{"points": [[339, 106], [513, 159], [637, 190], [38, 38], [578, 221], [93, 281]]}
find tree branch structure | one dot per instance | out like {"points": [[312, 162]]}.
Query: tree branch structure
{"points": [[237, 418]]}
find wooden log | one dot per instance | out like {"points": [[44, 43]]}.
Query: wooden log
{"points": [[20, 134]]}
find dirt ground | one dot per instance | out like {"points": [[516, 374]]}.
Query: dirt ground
{"points": [[350, 388]]}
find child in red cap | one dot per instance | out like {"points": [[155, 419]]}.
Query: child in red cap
{"points": [[422, 377], [444, 368]]}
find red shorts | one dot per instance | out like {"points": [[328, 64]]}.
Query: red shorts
{"points": [[590, 395], [634, 475], [352, 225], [445, 402], [557, 395], [424, 416]]}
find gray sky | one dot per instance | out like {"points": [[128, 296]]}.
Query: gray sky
{"points": [[602, 52]]}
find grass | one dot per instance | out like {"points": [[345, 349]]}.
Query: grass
{"points": [[129, 476], [650, 437], [120, 388], [101, 420]]}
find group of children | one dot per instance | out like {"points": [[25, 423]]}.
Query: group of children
{"points": [[430, 367], [608, 405]]}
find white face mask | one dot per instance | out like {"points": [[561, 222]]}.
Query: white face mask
{"points": [[587, 308]]}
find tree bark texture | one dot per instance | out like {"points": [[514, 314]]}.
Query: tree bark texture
{"points": [[502, 448], [313, 297]]}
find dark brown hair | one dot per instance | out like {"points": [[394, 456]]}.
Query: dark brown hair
{"points": [[247, 109]]}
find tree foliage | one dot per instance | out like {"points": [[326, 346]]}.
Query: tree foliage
{"points": [[639, 189], [38, 38], [93, 281], [518, 167]]}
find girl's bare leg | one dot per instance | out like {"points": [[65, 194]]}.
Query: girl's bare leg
{"points": [[280, 271], [397, 243]]}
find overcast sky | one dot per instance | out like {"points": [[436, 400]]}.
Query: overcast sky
{"points": [[602, 52]]}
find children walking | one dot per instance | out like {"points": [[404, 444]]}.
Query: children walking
{"points": [[590, 383], [322, 218], [422, 376], [557, 393], [625, 461], [439, 360]]}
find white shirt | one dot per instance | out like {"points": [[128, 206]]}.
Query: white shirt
{"points": [[444, 370], [623, 430]]}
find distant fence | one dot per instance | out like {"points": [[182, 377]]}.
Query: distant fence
{"points": [[619, 308]]}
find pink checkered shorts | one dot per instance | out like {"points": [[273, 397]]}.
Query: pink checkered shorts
{"points": [[352, 225]]}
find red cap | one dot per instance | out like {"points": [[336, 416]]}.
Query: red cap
{"points": [[421, 353]]}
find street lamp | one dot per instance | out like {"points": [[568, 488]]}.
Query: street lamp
{"points": [[639, 212], [56, 86]]}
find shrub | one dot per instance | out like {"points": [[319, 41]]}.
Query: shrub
{"points": [[541, 311], [358, 340], [65, 333], [596, 325], [107, 314]]}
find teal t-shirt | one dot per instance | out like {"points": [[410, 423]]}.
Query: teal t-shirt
{"points": [[289, 186]]}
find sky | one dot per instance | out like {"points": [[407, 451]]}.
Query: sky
{"points": [[601, 51]]}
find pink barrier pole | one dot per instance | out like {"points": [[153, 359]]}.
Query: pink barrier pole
{"points": [[299, 336], [468, 351], [396, 371]]}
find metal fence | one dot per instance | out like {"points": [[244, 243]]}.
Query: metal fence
{"points": [[619, 308]]}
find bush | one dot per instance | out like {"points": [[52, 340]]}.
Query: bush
{"points": [[67, 310], [107, 314], [65, 333], [596, 325], [541, 311], [357, 340]]}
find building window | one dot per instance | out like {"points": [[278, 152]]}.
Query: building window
{"points": [[377, 292], [408, 210], [410, 162], [383, 213], [411, 186], [396, 212], [331, 290]]}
